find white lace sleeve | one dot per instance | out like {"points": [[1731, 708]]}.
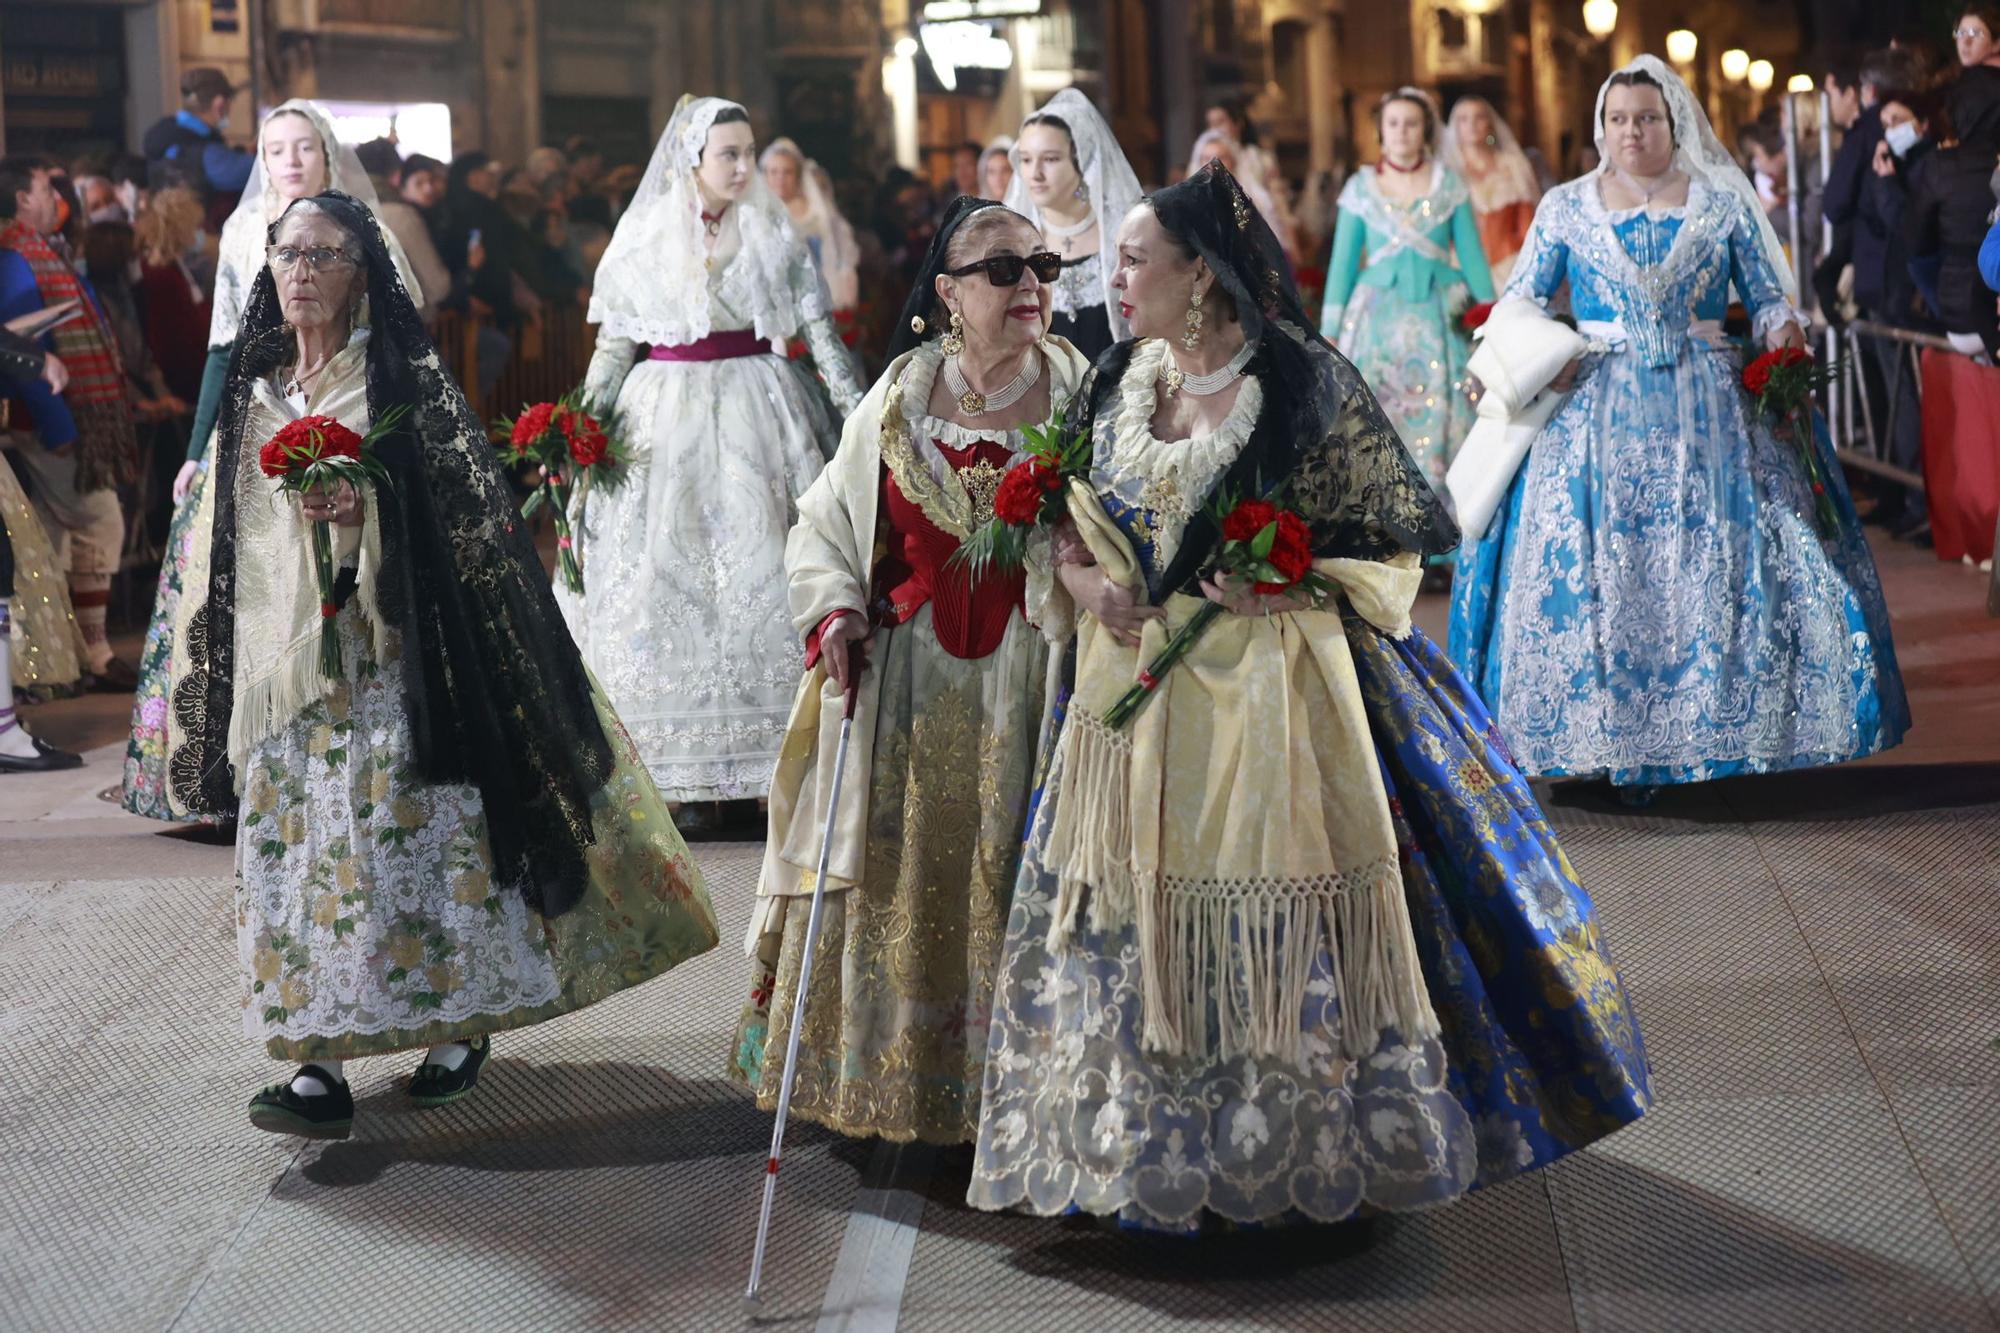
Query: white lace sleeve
{"points": [[609, 365], [829, 353]]}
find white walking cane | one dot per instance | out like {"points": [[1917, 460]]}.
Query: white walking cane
{"points": [[805, 978]]}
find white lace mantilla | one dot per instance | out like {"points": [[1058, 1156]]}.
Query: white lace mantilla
{"points": [[1168, 478]]}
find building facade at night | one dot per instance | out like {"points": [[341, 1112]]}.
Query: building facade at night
{"points": [[861, 82]]}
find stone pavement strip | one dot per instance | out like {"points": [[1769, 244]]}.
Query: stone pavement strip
{"points": [[1815, 960]]}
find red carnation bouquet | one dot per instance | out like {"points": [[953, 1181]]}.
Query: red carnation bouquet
{"points": [[317, 453], [1032, 494], [571, 448], [1264, 544], [1783, 382], [1474, 316]]}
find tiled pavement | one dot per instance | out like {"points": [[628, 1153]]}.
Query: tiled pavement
{"points": [[1815, 960]]}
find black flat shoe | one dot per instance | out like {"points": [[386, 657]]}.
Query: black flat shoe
{"points": [[118, 677], [434, 1085], [279, 1109], [46, 759]]}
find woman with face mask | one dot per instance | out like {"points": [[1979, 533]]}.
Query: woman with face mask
{"points": [[1949, 205], [1406, 262], [949, 665], [1234, 986], [298, 156], [1653, 603], [1072, 181], [683, 611]]}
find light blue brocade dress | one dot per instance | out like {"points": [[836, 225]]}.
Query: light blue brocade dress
{"points": [[1653, 601]]}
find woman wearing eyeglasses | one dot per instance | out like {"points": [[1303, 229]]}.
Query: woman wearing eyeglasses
{"points": [[298, 157], [950, 667], [446, 834]]}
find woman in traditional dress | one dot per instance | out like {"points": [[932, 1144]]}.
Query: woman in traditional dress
{"points": [[1480, 147], [1071, 180], [1255, 169], [683, 612], [797, 183], [1406, 263], [298, 157], [1299, 941], [449, 836], [1215, 145], [949, 711], [1652, 602]]}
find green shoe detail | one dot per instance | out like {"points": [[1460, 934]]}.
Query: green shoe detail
{"points": [[280, 1110], [434, 1085]]}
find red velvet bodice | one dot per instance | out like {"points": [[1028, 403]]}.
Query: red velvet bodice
{"points": [[969, 617]]}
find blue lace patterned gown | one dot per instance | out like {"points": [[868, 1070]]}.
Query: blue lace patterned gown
{"points": [[1539, 1053], [1653, 601]]}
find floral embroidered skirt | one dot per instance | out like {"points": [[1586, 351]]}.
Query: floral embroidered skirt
{"points": [[1538, 1055], [146, 751], [1653, 601], [895, 1030], [1413, 356], [368, 916]]}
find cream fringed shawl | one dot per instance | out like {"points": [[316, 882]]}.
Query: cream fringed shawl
{"points": [[1240, 821], [277, 592]]}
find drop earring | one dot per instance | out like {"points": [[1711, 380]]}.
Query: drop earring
{"points": [[953, 341], [1191, 339]]}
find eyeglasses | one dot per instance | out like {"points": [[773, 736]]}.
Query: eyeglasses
{"points": [[1964, 34], [1005, 270], [320, 258]]}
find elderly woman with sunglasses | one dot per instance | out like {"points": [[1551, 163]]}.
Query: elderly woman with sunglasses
{"points": [[949, 667]]}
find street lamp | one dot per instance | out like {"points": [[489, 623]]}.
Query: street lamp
{"points": [[1735, 64], [1600, 17], [1681, 46], [1799, 83], [1761, 75]]}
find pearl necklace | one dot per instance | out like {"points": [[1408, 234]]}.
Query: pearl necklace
{"points": [[974, 403], [1202, 386], [1069, 234]]}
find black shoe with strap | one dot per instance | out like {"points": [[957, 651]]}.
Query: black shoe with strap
{"points": [[434, 1085], [281, 1109], [46, 759]]}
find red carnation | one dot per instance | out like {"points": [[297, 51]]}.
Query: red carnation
{"points": [[1248, 519], [530, 426], [1757, 375], [307, 440], [1018, 502], [1291, 552], [588, 443], [1475, 315]]}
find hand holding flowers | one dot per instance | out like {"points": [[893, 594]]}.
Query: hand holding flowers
{"points": [[325, 463], [1782, 382], [572, 447]]}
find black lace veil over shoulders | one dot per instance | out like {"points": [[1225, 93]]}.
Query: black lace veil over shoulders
{"points": [[497, 693], [1321, 434]]}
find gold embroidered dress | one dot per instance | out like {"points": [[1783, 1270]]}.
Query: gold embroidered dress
{"points": [[929, 831]]}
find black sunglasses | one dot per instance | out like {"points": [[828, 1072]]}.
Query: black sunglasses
{"points": [[1005, 270]]}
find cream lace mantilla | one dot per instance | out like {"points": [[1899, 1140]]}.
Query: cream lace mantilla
{"points": [[1169, 478], [277, 592]]}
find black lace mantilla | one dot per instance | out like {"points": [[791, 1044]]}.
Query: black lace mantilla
{"points": [[1321, 434], [498, 696]]}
